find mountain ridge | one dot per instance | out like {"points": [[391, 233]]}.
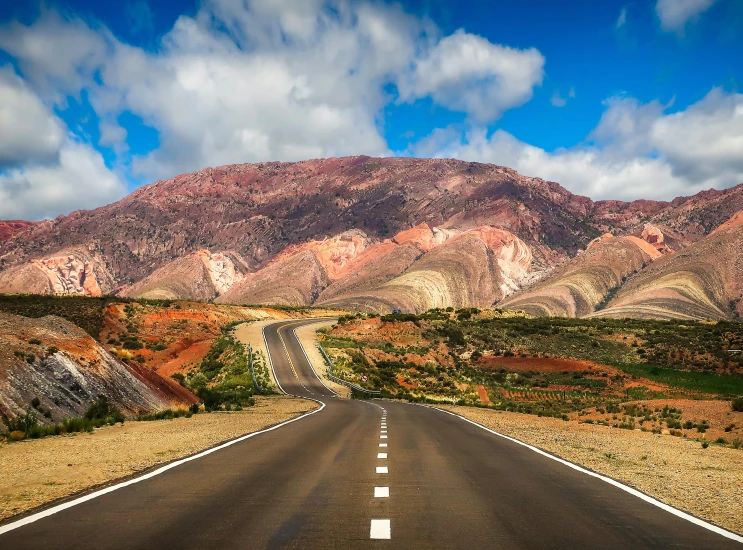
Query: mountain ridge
{"points": [[207, 234]]}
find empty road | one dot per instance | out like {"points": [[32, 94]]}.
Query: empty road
{"points": [[365, 475]]}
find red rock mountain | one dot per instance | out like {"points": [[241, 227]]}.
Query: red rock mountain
{"points": [[365, 233]]}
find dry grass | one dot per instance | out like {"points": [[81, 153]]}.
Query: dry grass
{"points": [[40, 471]]}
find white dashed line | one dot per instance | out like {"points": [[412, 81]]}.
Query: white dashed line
{"points": [[383, 470], [384, 431], [383, 444], [381, 455], [382, 437], [381, 492], [380, 529]]}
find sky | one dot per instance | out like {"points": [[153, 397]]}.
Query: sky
{"points": [[616, 100]]}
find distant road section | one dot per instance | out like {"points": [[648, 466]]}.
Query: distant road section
{"points": [[364, 474]]}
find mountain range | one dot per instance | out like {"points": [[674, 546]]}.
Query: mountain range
{"points": [[378, 234]]}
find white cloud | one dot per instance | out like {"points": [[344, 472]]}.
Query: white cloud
{"points": [[675, 14], [46, 172], [56, 55], [622, 19], [28, 130], [638, 151], [257, 80], [464, 72], [558, 101], [79, 180]]}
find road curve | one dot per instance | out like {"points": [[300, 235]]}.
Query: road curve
{"points": [[323, 481]]}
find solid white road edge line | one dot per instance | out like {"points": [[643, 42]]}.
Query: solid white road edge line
{"points": [[380, 529], [65, 505], [381, 492], [610, 481]]}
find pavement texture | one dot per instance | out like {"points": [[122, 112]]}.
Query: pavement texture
{"points": [[361, 474]]}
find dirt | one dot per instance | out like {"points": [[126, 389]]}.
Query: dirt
{"points": [[707, 483], [37, 472], [482, 393], [543, 364]]}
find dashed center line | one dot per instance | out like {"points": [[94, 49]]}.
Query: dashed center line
{"points": [[382, 437], [381, 455], [381, 492], [380, 529], [383, 444], [383, 470]]}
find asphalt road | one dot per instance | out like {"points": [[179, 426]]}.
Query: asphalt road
{"points": [[312, 484]]}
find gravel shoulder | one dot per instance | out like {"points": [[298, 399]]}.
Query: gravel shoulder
{"points": [[307, 336], [37, 472], [252, 333], [707, 483]]}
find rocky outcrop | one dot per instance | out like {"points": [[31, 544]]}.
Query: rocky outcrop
{"points": [[584, 284], [201, 275], [70, 272], [296, 280], [67, 371], [702, 281], [10, 228]]}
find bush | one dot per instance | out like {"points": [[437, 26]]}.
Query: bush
{"points": [[737, 443], [737, 404], [34, 342], [705, 444], [101, 409], [17, 435]]}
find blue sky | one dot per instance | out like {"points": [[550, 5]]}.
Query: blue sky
{"points": [[619, 100]]}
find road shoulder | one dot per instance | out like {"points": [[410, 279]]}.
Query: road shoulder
{"points": [[707, 483], [37, 472], [307, 336]]}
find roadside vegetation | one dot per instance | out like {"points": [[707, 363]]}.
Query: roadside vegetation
{"points": [[27, 426], [590, 370]]}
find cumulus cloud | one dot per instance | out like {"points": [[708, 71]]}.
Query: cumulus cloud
{"points": [[467, 73], [257, 80], [675, 14], [80, 179], [636, 151], [28, 130], [44, 171]]}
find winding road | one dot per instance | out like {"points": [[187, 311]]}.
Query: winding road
{"points": [[365, 474]]}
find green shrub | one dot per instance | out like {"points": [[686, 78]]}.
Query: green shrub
{"points": [[705, 444], [101, 409], [34, 342], [737, 404]]}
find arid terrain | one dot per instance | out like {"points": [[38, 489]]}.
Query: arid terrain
{"points": [[371, 234], [66, 465]]}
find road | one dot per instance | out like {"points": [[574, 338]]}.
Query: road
{"points": [[320, 482]]}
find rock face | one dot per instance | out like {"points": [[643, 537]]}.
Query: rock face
{"points": [[704, 281], [351, 231], [71, 271], [69, 370], [10, 228], [583, 285], [200, 275]]}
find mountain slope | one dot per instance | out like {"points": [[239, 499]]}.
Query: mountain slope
{"points": [[580, 287], [67, 370], [703, 281]]}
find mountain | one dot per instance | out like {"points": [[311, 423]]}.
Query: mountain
{"points": [[360, 232]]}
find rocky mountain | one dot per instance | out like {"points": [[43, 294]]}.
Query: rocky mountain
{"points": [[360, 232]]}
